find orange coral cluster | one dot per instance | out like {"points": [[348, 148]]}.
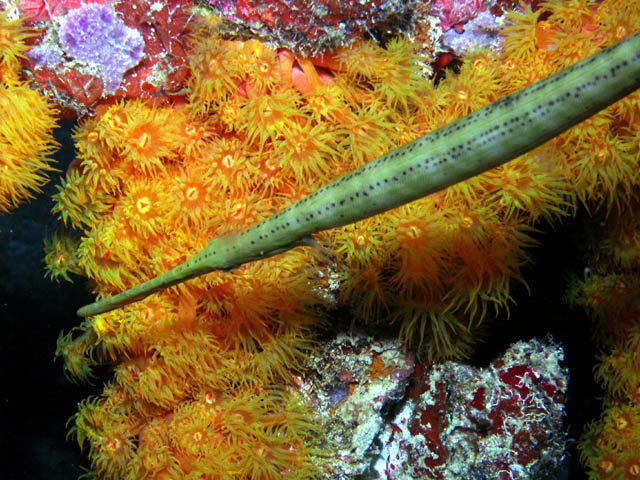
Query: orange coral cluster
{"points": [[610, 290], [27, 120], [259, 130], [437, 266]]}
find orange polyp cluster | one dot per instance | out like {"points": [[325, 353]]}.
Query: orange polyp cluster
{"points": [[27, 120], [259, 130], [609, 292], [614, 454]]}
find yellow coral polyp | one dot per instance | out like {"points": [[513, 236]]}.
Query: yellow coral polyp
{"points": [[13, 36], [392, 70], [153, 383], [476, 85], [150, 137], [109, 434], [110, 127], [271, 117], [76, 203], [191, 201], [216, 72], [99, 259], [520, 48], [61, 257], [488, 261], [144, 208], [26, 141], [88, 141], [606, 466], [307, 154], [73, 351], [432, 330], [281, 355], [262, 67], [416, 243], [196, 431], [229, 112], [327, 103], [365, 289], [369, 134], [360, 244], [531, 188], [194, 132], [227, 166], [362, 58], [246, 310]]}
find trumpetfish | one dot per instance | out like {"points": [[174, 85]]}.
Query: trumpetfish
{"points": [[475, 143]]}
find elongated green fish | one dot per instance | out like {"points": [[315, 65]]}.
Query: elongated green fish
{"points": [[471, 145]]}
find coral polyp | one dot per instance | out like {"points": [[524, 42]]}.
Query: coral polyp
{"points": [[26, 123], [26, 143]]}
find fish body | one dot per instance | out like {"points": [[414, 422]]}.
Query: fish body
{"points": [[473, 144]]}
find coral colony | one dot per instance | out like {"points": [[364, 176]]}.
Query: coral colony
{"points": [[607, 289], [197, 120]]}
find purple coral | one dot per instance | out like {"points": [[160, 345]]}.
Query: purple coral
{"points": [[96, 37]]}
